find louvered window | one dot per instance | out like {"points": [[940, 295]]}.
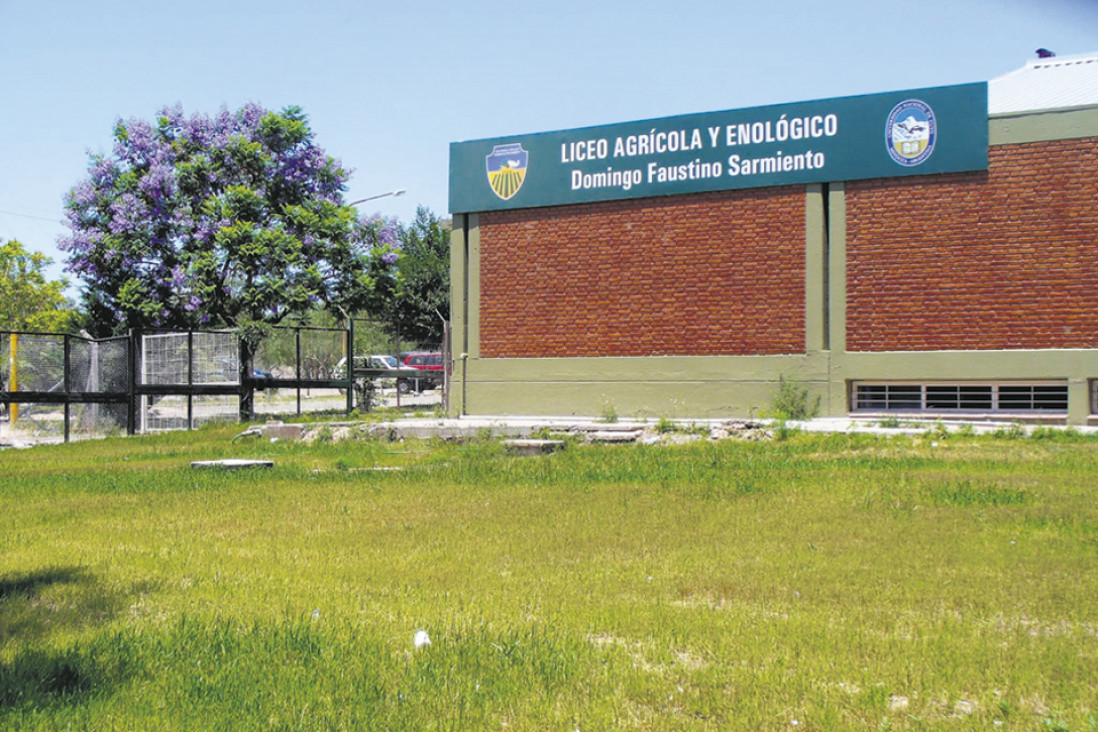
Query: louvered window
{"points": [[1041, 397]]}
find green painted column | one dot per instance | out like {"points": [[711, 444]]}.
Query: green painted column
{"points": [[816, 334], [837, 398], [472, 287], [1078, 400], [458, 316], [464, 305]]}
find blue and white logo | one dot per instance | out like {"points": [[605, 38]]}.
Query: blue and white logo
{"points": [[911, 132]]}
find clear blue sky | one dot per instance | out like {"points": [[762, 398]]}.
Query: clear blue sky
{"points": [[387, 86]]}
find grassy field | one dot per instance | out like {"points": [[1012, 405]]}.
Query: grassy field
{"points": [[835, 582]]}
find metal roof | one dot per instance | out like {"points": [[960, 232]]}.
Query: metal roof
{"points": [[1046, 83]]}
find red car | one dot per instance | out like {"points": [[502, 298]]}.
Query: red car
{"points": [[424, 361]]}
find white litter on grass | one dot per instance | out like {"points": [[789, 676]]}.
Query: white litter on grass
{"points": [[421, 639], [964, 708], [232, 464]]}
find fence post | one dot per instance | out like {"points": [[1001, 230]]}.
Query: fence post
{"points": [[66, 350], [132, 339], [349, 363], [400, 361], [13, 378], [190, 378], [297, 367]]}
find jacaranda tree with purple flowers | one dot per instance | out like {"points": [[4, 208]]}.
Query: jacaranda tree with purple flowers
{"points": [[232, 220]]}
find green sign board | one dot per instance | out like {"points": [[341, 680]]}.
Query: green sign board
{"points": [[915, 132]]}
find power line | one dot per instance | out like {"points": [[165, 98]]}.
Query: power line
{"points": [[29, 216]]}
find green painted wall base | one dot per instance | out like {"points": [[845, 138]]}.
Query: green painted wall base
{"points": [[739, 386], [673, 387]]}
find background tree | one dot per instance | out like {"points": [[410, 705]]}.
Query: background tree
{"points": [[28, 300], [232, 220], [423, 281]]}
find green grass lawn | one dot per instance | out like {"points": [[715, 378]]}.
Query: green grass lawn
{"points": [[835, 582]]}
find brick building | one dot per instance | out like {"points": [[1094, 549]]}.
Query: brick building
{"points": [[930, 251]]}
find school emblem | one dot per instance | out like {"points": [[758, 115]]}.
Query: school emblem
{"points": [[507, 169], [911, 132]]}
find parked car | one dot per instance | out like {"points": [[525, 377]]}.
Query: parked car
{"points": [[383, 361], [424, 361], [373, 361]]}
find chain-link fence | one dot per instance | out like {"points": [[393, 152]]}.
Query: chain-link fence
{"points": [[54, 386], [294, 370], [101, 366], [377, 348], [57, 386], [36, 361]]}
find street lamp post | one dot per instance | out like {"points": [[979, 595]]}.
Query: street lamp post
{"points": [[349, 348], [394, 194]]}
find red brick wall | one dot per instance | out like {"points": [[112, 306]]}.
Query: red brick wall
{"points": [[711, 273], [996, 260]]}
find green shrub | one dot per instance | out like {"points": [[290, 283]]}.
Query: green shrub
{"points": [[1013, 431], [791, 401]]}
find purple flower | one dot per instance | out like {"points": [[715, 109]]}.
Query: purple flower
{"points": [[82, 194], [198, 130], [139, 144], [126, 214], [159, 182], [251, 114], [174, 114], [103, 170], [388, 233]]}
